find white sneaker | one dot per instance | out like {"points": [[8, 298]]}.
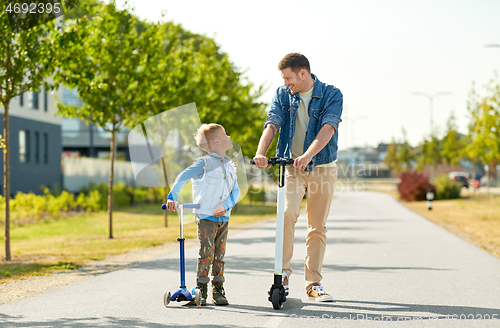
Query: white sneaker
{"points": [[318, 294], [284, 282]]}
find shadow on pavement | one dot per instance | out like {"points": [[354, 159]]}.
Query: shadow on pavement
{"points": [[247, 265], [297, 240], [11, 322], [296, 310]]}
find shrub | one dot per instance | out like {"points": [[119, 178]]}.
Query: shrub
{"points": [[446, 188], [28, 208], [414, 186], [120, 195], [256, 194], [93, 201], [140, 195]]}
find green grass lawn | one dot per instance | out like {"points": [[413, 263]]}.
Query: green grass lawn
{"points": [[68, 243]]}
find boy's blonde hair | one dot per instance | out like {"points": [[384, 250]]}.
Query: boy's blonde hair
{"points": [[205, 133]]}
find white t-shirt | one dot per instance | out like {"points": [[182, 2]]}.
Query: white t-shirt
{"points": [[301, 123]]}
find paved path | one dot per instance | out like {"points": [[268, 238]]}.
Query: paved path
{"points": [[383, 262]]}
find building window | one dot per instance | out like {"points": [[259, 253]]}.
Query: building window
{"points": [[21, 100], [45, 148], [24, 146], [32, 100], [45, 101], [37, 147], [70, 97]]}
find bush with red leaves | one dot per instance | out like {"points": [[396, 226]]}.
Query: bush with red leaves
{"points": [[414, 186]]}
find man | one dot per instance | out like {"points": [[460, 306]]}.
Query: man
{"points": [[307, 114]]}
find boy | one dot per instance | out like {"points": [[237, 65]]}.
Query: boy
{"points": [[216, 189]]}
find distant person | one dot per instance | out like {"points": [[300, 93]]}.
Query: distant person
{"points": [[216, 189], [306, 112]]}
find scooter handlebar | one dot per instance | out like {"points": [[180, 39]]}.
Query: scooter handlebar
{"points": [[275, 161], [197, 206]]}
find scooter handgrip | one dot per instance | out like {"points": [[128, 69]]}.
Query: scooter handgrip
{"points": [[164, 206], [191, 206], [252, 162]]}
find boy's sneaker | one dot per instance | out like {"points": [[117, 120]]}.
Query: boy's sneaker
{"points": [[318, 294], [284, 282]]}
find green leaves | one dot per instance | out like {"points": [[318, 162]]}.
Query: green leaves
{"points": [[484, 129], [101, 56], [452, 144], [26, 59], [400, 156]]}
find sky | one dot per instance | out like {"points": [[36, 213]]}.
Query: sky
{"points": [[377, 52]]}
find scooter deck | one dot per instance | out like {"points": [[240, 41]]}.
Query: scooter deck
{"points": [[181, 294]]}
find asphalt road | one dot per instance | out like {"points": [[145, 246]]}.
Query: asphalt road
{"points": [[384, 266]]}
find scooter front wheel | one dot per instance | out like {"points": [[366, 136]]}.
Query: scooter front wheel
{"points": [[166, 298], [197, 297], [276, 299]]}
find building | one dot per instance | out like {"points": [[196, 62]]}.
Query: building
{"points": [[80, 139], [365, 162], [34, 142]]}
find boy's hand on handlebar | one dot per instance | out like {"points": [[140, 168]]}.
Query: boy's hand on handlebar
{"points": [[219, 210], [301, 162], [172, 205], [261, 161]]}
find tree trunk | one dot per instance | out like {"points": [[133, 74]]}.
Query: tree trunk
{"points": [[165, 214], [165, 191], [473, 181], [488, 184], [6, 179], [110, 187]]}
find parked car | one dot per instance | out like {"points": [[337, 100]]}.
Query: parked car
{"points": [[460, 177]]}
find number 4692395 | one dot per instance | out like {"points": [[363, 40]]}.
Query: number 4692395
{"points": [[33, 8]]}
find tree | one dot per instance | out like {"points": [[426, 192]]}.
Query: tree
{"points": [[430, 153], [191, 68], [406, 153], [400, 156], [27, 57], [486, 127], [103, 55], [453, 145], [126, 71], [391, 157], [473, 151]]}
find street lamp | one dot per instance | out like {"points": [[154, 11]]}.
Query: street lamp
{"points": [[431, 99]]}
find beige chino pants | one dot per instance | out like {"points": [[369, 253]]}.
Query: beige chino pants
{"points": [[319, 186]]}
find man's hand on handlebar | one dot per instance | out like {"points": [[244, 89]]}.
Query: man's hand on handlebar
{"points": [[261, 161]]}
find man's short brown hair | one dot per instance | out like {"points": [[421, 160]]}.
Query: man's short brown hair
{"points": [[295, 61]]}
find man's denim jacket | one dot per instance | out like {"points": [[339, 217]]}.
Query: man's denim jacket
{"points": [[325, 107]]}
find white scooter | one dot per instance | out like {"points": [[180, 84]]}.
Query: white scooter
{"points": [[277, 294]]}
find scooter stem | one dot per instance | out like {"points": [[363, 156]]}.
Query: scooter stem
{"points": [[280, 221]]}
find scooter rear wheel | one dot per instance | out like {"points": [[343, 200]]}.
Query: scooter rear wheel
{"points": [[276, 299], [166, 297]]}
